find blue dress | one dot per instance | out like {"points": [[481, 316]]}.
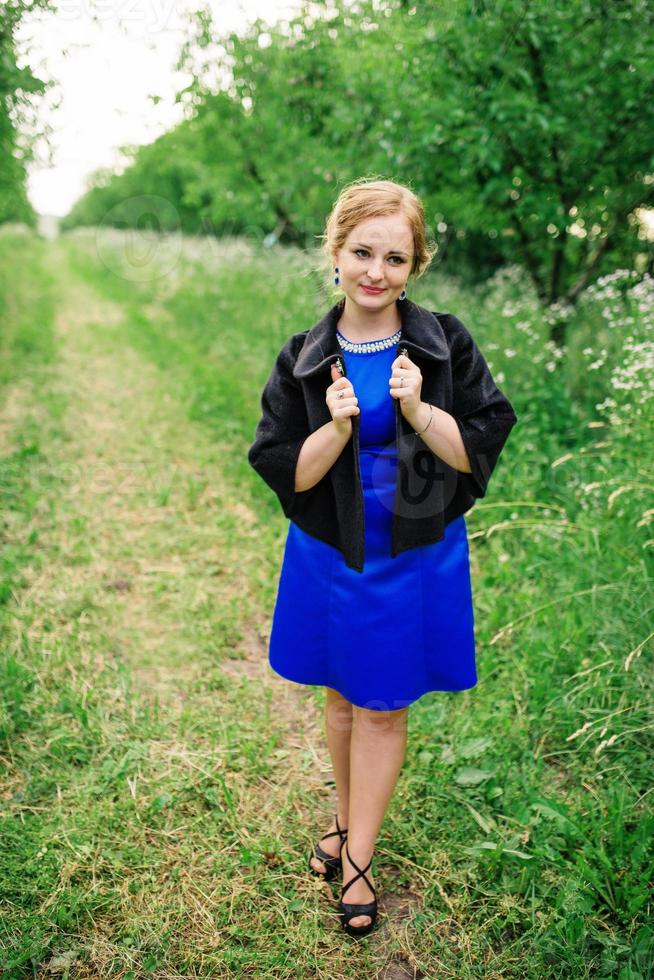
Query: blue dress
{"points": [[402, 627]]}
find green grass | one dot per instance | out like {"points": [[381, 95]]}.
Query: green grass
{"points": [[25, 305], [160, 793]]}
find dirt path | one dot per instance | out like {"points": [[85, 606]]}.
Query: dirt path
{"points": [[146, 500]]}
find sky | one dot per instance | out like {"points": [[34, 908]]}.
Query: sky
{"points": [[107, 57]]}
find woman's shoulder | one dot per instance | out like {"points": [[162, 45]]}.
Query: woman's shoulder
{"points": [[293, 344], [289, 352], [450, 322], [457, 334]]}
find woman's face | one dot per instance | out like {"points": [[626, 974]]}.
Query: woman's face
{"points": [[378, 252]]}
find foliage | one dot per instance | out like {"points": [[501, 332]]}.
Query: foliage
{"points": [[18, 87]]}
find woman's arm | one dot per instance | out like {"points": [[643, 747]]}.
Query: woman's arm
{"points": [[318, 454], [480, 410], [287, 456], [470, 439], [443, 436], [282, 430]]}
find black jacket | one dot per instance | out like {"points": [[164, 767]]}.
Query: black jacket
{"points": [[429, 493]]}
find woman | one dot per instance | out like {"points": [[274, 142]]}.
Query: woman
{"points": [[374, 598]]}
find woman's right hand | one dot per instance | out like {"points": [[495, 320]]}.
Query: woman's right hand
{"points": [[342, 409]]}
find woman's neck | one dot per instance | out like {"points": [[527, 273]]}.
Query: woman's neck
{"points": [[376, 326]]}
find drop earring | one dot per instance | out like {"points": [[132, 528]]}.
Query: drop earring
{"points": [[403, 294], [336, 277]]}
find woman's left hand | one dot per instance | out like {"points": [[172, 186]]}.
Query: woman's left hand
{"points": [[406, 384]]}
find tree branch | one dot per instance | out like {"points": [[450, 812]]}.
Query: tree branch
{"points": [[618, 218]]}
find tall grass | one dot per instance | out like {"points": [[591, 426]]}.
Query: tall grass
{"points": [[26, 304]]}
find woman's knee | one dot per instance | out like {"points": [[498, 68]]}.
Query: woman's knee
{"points": [[381, 720]]}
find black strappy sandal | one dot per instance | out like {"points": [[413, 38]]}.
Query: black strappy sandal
{"points": [[332, 863], [350, 911]]}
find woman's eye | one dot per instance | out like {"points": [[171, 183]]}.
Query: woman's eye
{"points": [[358, 251]]}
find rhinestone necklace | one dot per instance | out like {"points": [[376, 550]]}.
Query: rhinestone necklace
{"points": [[364, 346]]}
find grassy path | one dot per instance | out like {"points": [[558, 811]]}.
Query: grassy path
{"points": [[162, 536]]}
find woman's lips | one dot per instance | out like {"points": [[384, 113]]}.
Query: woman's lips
{"points": [[373, 290]]}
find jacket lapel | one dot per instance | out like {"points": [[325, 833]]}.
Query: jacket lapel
{"points": [[422, 335]]}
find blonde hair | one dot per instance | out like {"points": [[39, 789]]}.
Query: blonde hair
{"points": [[371, 198]]}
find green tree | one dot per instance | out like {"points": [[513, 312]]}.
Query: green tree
{"points": [[18, 87], [543, 137]]}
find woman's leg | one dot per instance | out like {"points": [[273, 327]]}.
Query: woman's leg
{"points": [[376, 754], [338, 723]]}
